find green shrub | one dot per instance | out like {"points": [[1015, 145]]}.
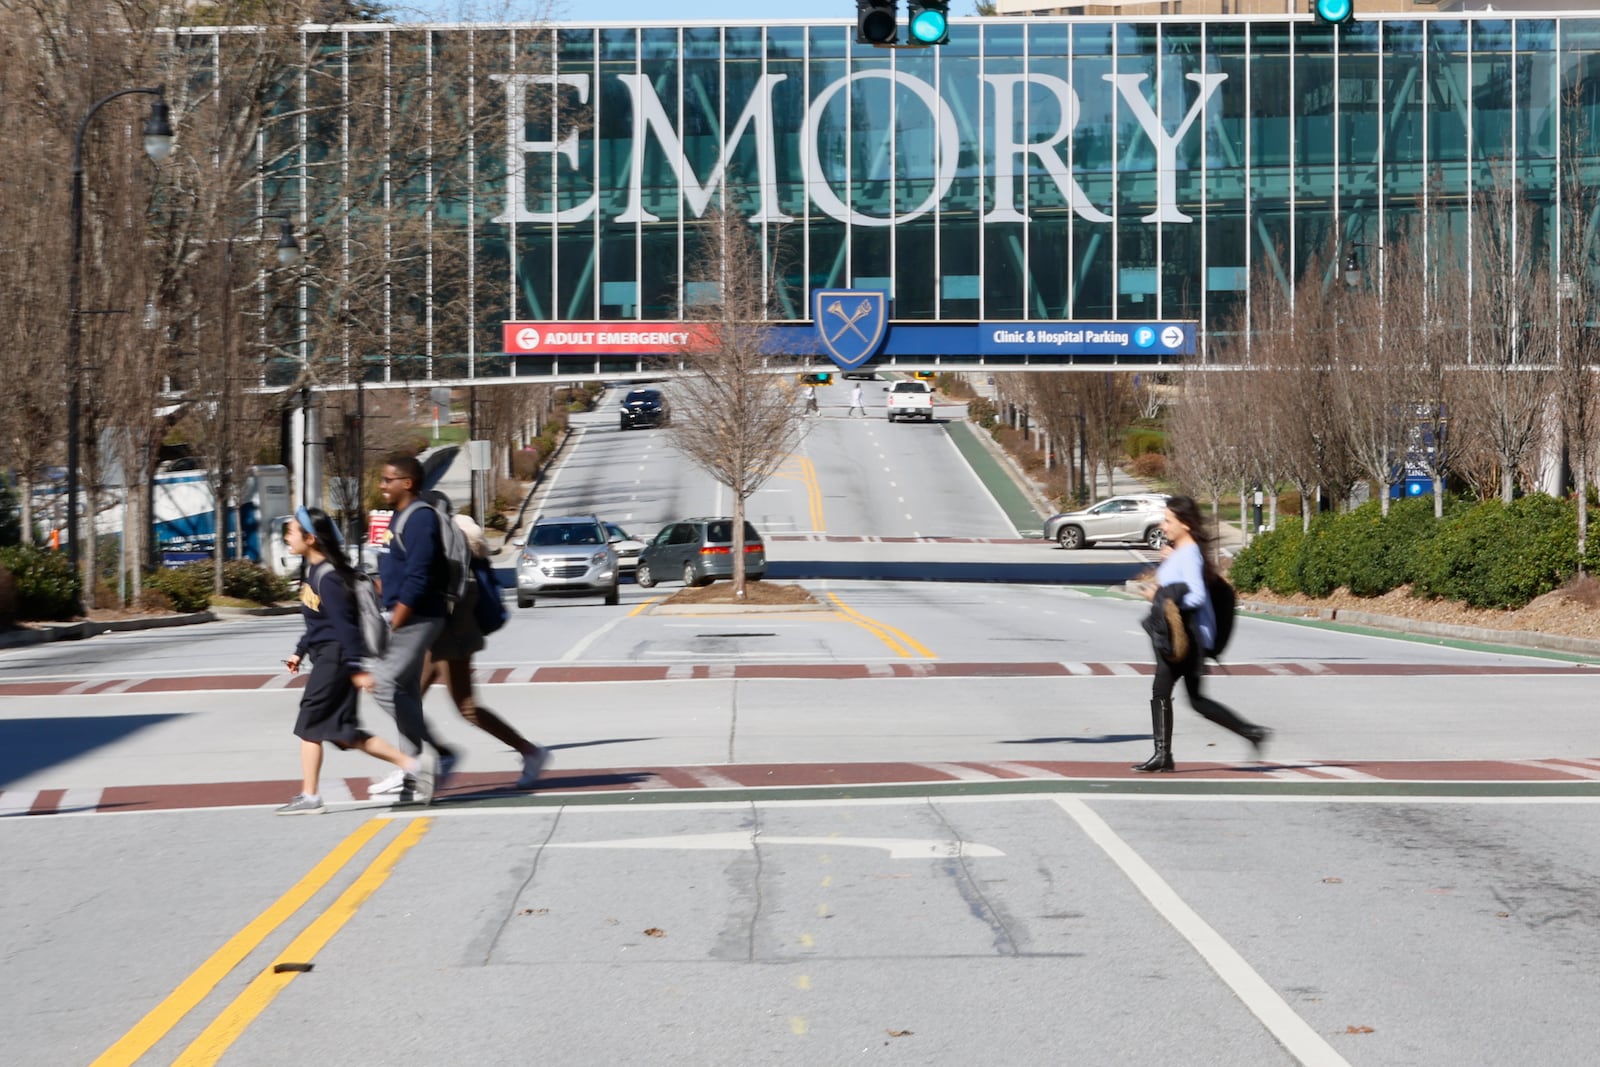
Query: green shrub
{"points": [[1321, 566], [1143, 442], [981, 410], [47, 587], [1494, 556], [1271, 561], [247, 580], [188, 586]]}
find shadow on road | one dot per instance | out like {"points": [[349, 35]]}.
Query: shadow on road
{"points": [[29, 745]]}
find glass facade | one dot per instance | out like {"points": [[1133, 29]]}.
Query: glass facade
{"points": [[1041, 169]]}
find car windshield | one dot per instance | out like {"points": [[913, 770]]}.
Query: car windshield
{"points": [[564, 534], [642, 396], [618, 533]]}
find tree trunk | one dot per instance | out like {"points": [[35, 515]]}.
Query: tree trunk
{"points": [[738, 546], [1508, 481], [25, 500], [1583, 506], [1438, 497]]}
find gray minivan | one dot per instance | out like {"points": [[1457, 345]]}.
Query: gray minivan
{"points": [[698, 551]]}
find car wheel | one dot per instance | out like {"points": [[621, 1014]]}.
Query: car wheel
{"points": [[1153, 538], [643, 577], [524, 600], [1070, 537], [624, 425], [690, 578], [611, 598]]}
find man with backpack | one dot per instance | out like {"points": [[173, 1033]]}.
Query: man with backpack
{"points": [[413, 574], [480, 611]]}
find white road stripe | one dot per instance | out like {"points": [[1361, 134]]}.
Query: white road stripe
{"points": [[336, 791], [1291, 1031], [1123, 670], [1076, 668], [1551, 765], [85, 799], [280, 680], [1284, 774], [965, 774], [1025, 770], [17, 801], [1349, 774], [710, 778]]}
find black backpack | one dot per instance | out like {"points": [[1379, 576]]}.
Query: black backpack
{"points": [[1224, 605]]}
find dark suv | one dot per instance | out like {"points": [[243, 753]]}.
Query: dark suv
{"points": [[698, 551], [644, 407]]}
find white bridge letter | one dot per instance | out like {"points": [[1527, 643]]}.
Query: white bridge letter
{"points": [[518, 150], [649, 114], [947, 147], [1166, 147], [1007, 148]]}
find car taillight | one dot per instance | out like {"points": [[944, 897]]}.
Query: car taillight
{"points": [[752, 548], [714, 550]]}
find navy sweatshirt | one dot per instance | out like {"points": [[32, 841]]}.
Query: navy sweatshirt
{"points": [[330, 614], [407, 570]]}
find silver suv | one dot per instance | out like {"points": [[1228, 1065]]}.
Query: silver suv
{"points": [[1135, 517], [567, 556]]}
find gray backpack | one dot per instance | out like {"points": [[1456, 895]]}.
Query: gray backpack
{"points": [[455, 551]]}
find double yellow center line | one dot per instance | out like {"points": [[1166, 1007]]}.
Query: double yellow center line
{"points": [[248, 1005]]}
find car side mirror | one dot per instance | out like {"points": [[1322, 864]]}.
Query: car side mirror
{"points": [[518, 542]]}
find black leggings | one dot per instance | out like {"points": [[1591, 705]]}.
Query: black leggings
{"points": [[1192, 670]]}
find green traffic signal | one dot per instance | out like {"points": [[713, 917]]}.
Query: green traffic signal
{"points": [[1333, 12], [930, 21]]}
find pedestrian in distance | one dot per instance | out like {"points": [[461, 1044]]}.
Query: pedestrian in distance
{"points": [[811, 399], [450, 661], [856, 402], [332, 638], [1183, 628], [412, 574]]}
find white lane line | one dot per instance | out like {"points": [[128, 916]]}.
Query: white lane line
{"points": [[84, 799], [1291, 1031], [1284, 774], [17, 801], [964, 774], [577, 650], [278, 681], [1075, 668], [1122, 670]]}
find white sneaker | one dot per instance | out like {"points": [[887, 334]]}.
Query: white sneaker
{"points": [[532, 766], [394, 783]]}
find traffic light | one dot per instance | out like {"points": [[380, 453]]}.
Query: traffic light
{"points": [[930, 21], [824, 379], [1333, 12], [877, 21]]}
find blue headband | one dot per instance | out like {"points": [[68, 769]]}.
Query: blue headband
{"points": [[303, 517]]}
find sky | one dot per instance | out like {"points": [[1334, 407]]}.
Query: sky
{"points": [[597, 10]]}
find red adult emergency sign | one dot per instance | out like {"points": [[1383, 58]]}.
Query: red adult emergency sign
{"points": [[600, 338]]}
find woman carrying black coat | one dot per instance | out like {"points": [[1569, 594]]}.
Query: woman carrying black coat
{"points": [[1183, 625]]}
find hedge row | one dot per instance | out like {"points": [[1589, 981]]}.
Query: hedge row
{"points": [[45, 587], [188, 587], [1489, 555]]}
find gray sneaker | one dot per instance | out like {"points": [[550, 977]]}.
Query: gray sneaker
{"points": [[302, 805], [420, 785]]}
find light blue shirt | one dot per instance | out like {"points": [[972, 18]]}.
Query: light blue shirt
{"points": [[1186, 565]]}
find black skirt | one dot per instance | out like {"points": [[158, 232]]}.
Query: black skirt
{"points": [[328, 707]]}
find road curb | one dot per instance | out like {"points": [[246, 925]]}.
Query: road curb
{"points": [[45, 633], [1423, 628]]}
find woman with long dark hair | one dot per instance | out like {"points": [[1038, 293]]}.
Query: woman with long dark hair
{"points": [[1191, 627], [333, 640]]}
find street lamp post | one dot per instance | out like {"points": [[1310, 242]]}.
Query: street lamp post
{"points": [[157, 143], [288, 256]]}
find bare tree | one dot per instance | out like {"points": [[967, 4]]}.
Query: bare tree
{"points": [[734, 416], [1511, 338]]}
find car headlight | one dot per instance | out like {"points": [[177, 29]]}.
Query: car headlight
{"points": [[598, 557]]}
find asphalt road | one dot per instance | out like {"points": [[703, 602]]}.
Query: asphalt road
{"points": [[901, 827]]}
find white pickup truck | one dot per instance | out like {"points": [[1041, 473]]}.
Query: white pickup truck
{"points": [[910, 400]]}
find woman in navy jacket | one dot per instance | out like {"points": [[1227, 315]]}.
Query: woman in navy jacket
{"points": [[333, 640]]}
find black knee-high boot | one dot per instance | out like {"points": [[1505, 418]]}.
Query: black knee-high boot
{"points": [[1229, 719], [1161, 730]]}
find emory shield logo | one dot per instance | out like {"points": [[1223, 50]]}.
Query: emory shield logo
{"points": [[850, 323]]}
